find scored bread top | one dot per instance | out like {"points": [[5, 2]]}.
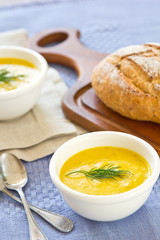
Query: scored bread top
{"points": [[132, 74], [144, 61]]}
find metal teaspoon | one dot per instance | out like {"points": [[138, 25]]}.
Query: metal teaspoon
{"points": [[15, 177], [58, 221]]}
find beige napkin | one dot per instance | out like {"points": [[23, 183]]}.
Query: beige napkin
{"points": [[42, 130]]}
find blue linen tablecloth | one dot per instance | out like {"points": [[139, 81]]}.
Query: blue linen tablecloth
{"points": [[105, 26]]}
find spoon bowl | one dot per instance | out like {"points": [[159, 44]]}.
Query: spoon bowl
{"points": [[14, 172]]}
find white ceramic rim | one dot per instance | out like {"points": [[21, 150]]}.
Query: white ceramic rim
{"points": [[116, 198], [22, 90]]}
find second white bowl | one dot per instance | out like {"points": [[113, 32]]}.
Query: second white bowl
{"points": [[17, 102]]}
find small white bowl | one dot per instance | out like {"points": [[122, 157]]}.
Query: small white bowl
{"points": [[110, 207], [17, 102]]}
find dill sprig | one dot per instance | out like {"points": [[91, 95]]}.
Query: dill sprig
{"points": [[108, 171], [5, 76]]}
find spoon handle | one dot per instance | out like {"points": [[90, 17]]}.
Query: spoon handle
{"points": [[35, 231], [60, 222]]}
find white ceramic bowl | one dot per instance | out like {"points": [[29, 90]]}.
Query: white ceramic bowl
{"points": [[110, 207], [17, 102]]}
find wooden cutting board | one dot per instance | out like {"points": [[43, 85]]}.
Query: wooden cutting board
{"points": [[80, 104]]}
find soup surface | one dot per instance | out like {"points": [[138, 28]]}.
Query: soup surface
{"points": [[15, 73], [136, 167]]}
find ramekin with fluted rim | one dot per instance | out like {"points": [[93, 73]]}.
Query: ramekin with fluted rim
{"points": [[19, 101], [109, 207]]}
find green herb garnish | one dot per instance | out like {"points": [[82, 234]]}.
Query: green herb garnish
{"points": [[5, 76], [108, 171]]}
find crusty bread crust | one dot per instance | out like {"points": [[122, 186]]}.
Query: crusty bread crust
{"points": [[128, 81]]}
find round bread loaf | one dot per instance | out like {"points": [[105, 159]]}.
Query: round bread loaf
{"points": [[128, 81]]}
